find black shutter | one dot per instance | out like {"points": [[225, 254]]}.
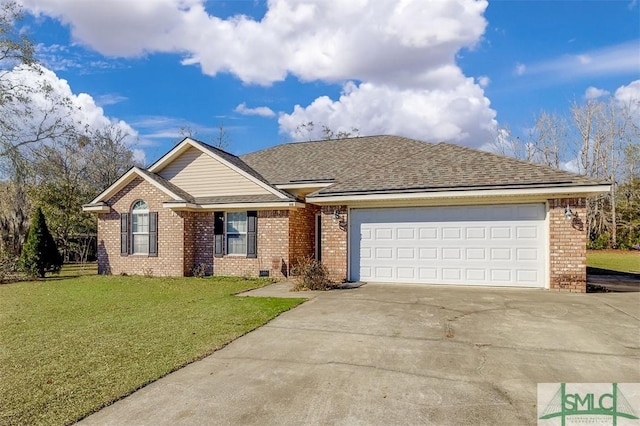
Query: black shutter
{"points": [[218, 234], [153, 234], [252, 234], [124, 234]]}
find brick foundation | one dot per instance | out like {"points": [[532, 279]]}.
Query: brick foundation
{"points": [[568, 246]]}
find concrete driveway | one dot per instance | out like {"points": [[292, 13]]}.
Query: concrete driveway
{"points": [[391, 354]]}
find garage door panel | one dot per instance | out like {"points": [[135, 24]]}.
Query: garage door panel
{"points": [[527, 254], [406, 233], [500, 232], [383, 253], [451, 253], [527, 232], [451, 233], [384, 272], [404, 253], [476, 233], [428, 253], [530, 276], [482, 245], [475, 253]]}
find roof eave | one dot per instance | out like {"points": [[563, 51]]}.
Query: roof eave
{"points": [[100, 207], [277, 205], [543, 193], [128, 177]]}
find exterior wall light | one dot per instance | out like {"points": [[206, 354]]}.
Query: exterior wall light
{"points": [[568, 213]]}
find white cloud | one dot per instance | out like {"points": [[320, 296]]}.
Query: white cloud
{"points": [[110, 99], [629, 93], [520, 69], [484, 81], [584, 59], [458, 114], [401, 53], [611, 60], [58, 57], [595, 93], [80, 108], [262, 111]]}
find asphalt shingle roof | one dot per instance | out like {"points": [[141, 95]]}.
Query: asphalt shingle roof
{"points": [[168, 185], [393, 164]]}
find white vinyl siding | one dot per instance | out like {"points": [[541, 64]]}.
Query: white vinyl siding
{"points": [[204, 176], [501, 245]]}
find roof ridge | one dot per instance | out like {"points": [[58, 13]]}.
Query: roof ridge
{"points": [[324, 141]]}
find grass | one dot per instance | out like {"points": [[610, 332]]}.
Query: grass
{"points": [[70, 346], [613, 261]]}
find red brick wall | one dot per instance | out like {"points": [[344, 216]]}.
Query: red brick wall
{"points": [[334, 242], [189, 245], [273, 249], [302, 233], [203, 240], [171, 256], [568, 246]]}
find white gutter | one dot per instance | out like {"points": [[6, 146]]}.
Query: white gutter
{"points": [[581, 191]]}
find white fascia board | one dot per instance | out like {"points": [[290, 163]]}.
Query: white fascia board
{"points": [[234, 206], [543, 193], [128, 177], [308, 185], [96, 209], [187, 142]]}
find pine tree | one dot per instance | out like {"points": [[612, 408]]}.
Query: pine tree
{"points": [[39, 254]]}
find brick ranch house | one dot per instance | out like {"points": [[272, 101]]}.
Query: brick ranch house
{"points": [[374, 209]]}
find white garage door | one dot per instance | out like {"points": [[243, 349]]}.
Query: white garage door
{"points": [[502, 245]]}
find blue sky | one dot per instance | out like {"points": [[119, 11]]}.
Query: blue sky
{"points": [[433, 70]]}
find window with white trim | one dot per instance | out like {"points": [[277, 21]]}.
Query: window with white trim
{"points": [[236, 230], [140, 227]]}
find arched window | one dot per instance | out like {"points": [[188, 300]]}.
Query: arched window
{"points": [[140, 227]]}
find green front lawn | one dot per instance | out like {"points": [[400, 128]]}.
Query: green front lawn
{"points": [[69, 346], [613, 261]]}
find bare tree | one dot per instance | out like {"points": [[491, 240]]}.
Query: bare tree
{"points": [[221, 139], [110, 155], [307, 131], [547, 140]]}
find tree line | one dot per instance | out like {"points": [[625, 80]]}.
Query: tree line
{"points": [[49, 158], [599, 138]]}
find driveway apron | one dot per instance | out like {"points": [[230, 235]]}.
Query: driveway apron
{"points": [[398, 354]]}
